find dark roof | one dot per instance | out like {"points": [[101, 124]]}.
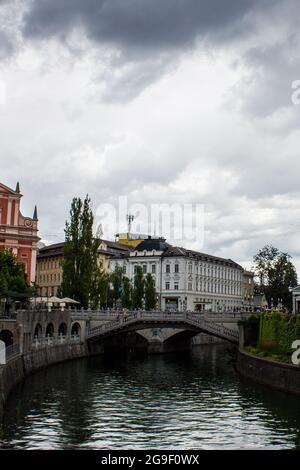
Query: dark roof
{"points": [[57, 249], [179, 251], [150, 244], [116, 245]]}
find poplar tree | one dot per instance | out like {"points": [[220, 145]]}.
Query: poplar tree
{"points": [[80, 266], [138, 288], [150, 294], [127, 293], [117, 284]]}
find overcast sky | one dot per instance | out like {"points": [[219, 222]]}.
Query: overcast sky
{"points": [[173, 101]]}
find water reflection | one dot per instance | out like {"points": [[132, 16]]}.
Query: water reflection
{"points": [[187, 400]]}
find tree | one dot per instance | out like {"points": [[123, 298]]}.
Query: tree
{"points": [[117, 283], [277, 275], [80, 265], [263, 261], [150, 294], [12, 275], [138, 289], [127, 293]]}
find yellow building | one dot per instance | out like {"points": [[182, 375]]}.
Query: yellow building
{"points": [[49, 270], [130, 239], [248, 290], [49, 264]]}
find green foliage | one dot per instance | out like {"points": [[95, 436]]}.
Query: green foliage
{"points": [[80, 265], [127, 293], [12, 275], [117, 283], [138, 289], [277, 332], [150, 294], [277, 275], [268, 354]]}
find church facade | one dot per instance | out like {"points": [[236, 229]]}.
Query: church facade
{"points": [[18, 233]]}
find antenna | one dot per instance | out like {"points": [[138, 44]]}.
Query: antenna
{"points": [[130, 219]]}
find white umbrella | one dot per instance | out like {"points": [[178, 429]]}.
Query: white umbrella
{"points": [[67, 300], [55, 300]]}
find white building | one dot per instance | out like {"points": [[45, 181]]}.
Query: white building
{"points": [[185, 279]]}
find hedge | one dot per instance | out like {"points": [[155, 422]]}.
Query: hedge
{"points": [[278, 332]]}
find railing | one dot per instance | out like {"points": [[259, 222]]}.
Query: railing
{"points": [[113, 314], [10, 353], [193, 319], [49, 341]]}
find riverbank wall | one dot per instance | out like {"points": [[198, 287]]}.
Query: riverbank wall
{"points": [[20, 367], [284, 377]]}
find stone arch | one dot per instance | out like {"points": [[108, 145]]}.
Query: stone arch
{"points": [[38, 331], [7, 337], [62, 329], [76, 329], [50, 330]]}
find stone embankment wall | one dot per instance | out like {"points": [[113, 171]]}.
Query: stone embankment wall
{"points": [[17, 369], [284, 377]]}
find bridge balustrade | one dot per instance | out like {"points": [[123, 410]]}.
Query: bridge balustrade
{"points": [[49, 341], [10, 352], [193, 319]]}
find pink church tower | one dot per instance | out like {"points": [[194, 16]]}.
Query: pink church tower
{"points": [[18, 234]]}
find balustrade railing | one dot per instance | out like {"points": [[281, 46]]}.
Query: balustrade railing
{"points": [[194, 319], [9, 353], [49, 341]]}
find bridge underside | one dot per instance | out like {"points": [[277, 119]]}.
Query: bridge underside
{"points": [[146, 338]]}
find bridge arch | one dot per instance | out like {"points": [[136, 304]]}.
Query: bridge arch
{"points": [[62, 329], [50, 330], [38, 331], [7, 337], [76, 329]]}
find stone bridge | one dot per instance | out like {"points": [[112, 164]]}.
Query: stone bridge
{"points": [[156, 331], [137, 321]]}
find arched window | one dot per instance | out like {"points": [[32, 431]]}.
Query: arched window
{"points": [[62, 330], [38, 331], [50, 330], [7, 337], [75, 330]]}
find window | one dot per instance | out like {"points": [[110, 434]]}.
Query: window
{"points": [[153, 268], [135, 269], [167, 286], [176, 268], [144, 268], [176, 286], [124, 269], [190, 286], [167, 268]]}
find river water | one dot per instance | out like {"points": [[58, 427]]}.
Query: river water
{"points": [[192, 400]]}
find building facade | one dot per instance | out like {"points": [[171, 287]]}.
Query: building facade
{"points": [[248, 291], [185, 279], [18, 234], [49, 270]]}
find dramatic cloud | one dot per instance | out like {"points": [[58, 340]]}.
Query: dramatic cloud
{"points": [[183, 101]]}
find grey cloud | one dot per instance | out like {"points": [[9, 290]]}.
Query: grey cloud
{"points": [[149, 35], [138, 24]]}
